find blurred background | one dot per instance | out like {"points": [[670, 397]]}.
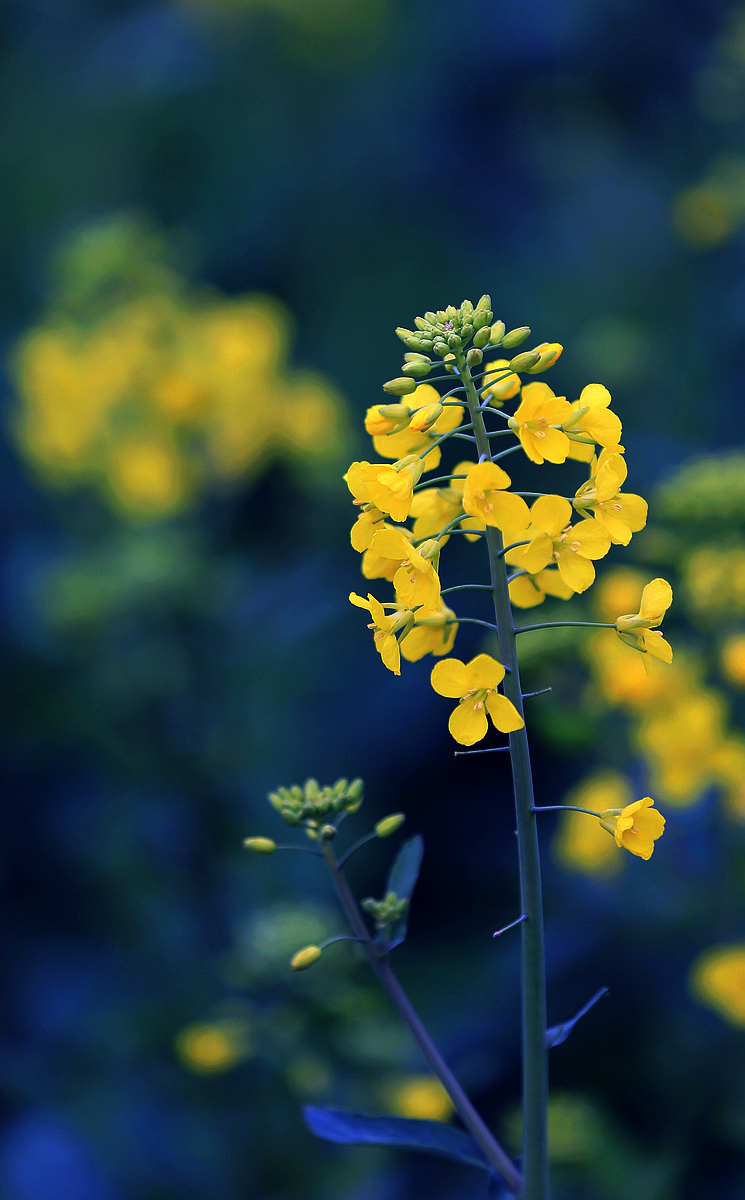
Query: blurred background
{"points": [[215, 212]]}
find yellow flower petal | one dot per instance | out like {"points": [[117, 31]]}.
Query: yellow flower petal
{"points": [[468, 723], [359, 601], [589, 538], [389, 651], [656, 599], [483, 671], [594, 395], [450, 678], [391, 543], [525, 592], [577, 573], [551, 514], [503, 713]]}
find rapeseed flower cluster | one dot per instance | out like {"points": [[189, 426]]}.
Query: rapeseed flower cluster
{"points": [[549, 543], [150, 390]]}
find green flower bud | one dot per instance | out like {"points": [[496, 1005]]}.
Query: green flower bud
{"points": [[389, 825], [441, 317], [450, 312], [480, 319], [466, 308], [523, 361], [484, 302], [473, 358], [305, 958], [481, 337], [355, 790], [413, 342], [430, 318], [426, 344], [396, 412], [454, 342], [422, 324], [515, 337], [400, 387], [441, 348], [497, 332], [418, 369], [413, 356], [403, 334], [466, 331], [260, 845]]}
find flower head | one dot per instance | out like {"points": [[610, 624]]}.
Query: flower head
{"points": [[484, 497], [534, 420], [385, 628], [389, 488], [592, 421], [415, 577], [552, 538], [635, 827], [394, 439], [640, 629], [622, 513], [433, 633], [475, 685]]}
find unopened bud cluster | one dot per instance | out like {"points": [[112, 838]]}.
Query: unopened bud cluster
{"points": [[311, 802], [386, 911]]}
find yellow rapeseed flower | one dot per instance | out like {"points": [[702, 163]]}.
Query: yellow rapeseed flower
{"points": [[434, 508], [718, 979], [529, 590], [534, 423], [475, 685], [622, 513], [635, 827], [434, 633], [639, 630], [419, 1096], [365, 528], [592, 420], [552, 538], [499, 386], [385, 628], [378, 566], [732, 658], [400, 442], [415, 578], [485, 498], [389, 488]]}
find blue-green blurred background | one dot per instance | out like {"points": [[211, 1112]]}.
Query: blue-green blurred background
{"points": [[214, 214]]}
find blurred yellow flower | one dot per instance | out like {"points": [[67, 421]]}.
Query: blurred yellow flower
{"points": [[717, 979], [581, 844], [209, 1048], [732, 658], [419, 1096], [714, 579], [618, 590], [152, 391]]}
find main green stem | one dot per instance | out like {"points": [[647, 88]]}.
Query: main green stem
{"points": [[536, 1181], [490, 1147]]}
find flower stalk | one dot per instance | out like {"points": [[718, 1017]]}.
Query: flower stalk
{"points": [[495, 1155], [536, 1181]]}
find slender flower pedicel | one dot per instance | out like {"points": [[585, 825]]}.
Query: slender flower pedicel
{"points": [[547, 549]]}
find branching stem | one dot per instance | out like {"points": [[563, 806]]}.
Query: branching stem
{"points": [[490, 1147]]}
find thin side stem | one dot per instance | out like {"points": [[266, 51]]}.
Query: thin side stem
{"points": [[356, 846], [566, 808], [467, 587], [565, 625], [536, 1180], [490, 1147]]}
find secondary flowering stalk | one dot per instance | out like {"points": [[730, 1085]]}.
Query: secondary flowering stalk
{"points": [[490, 1147], [536, 1182]]}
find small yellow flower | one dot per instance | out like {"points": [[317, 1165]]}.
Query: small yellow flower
{"points": [[732, 658], [432, 634], [434, 508], [718, 979], [635, 827], [529, 590], [389, 488], [385, 628], [383, 419], [484, 497], [639, 630], [622, 513], [534, 420], [475, 685], [415, 578], [591, 420], [400, 442], [499, 386], [552, 539], [550, 353], [365, 528], [419, 1096]]}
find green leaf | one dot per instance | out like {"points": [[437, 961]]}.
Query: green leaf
{"points": [[559, 1033], [402, 879], [431, 1137]]}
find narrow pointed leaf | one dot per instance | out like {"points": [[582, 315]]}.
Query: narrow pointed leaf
{"points": [[430, 1137], [402, 879], [559, 1033]]}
